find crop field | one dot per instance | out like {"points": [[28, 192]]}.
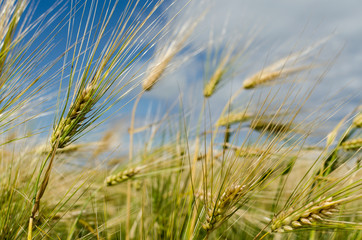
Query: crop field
{"points": [[173, 119]]}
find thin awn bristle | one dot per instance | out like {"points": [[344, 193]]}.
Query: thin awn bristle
{"points": [[312, 213]]}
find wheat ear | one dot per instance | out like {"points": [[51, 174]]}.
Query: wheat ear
{"points": [[122, 176], [217, 212], [357, 121], [307, 216], [157, 70], [279, 69], [217, 76], [69, 125], [353, 144], [232, 118], [266, 125]]}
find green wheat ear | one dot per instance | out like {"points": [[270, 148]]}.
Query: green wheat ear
{"points": [[70, 125]]}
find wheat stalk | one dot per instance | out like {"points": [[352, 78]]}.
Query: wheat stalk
{"points": [[100, 75]]}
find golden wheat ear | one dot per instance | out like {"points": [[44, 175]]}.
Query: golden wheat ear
{"points": [[122, 176], [166, 54], [220, 206], [357, 121], [282, 68], [314, 214], [215, 79], [221, 69], [234, 117], [353, 144]]}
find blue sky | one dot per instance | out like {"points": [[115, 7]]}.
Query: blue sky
{"points": [[281, 25], [278, 27]]}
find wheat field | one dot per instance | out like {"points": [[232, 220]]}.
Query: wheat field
{"points": [[247, 147]]}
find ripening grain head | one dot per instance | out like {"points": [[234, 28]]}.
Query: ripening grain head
{"points": [[307, 216], [234, 117], [217, 76], [357, 121], [280, 69], [68, 126], [217, 213], [122, 176], [353, 144], [167, 53]]}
